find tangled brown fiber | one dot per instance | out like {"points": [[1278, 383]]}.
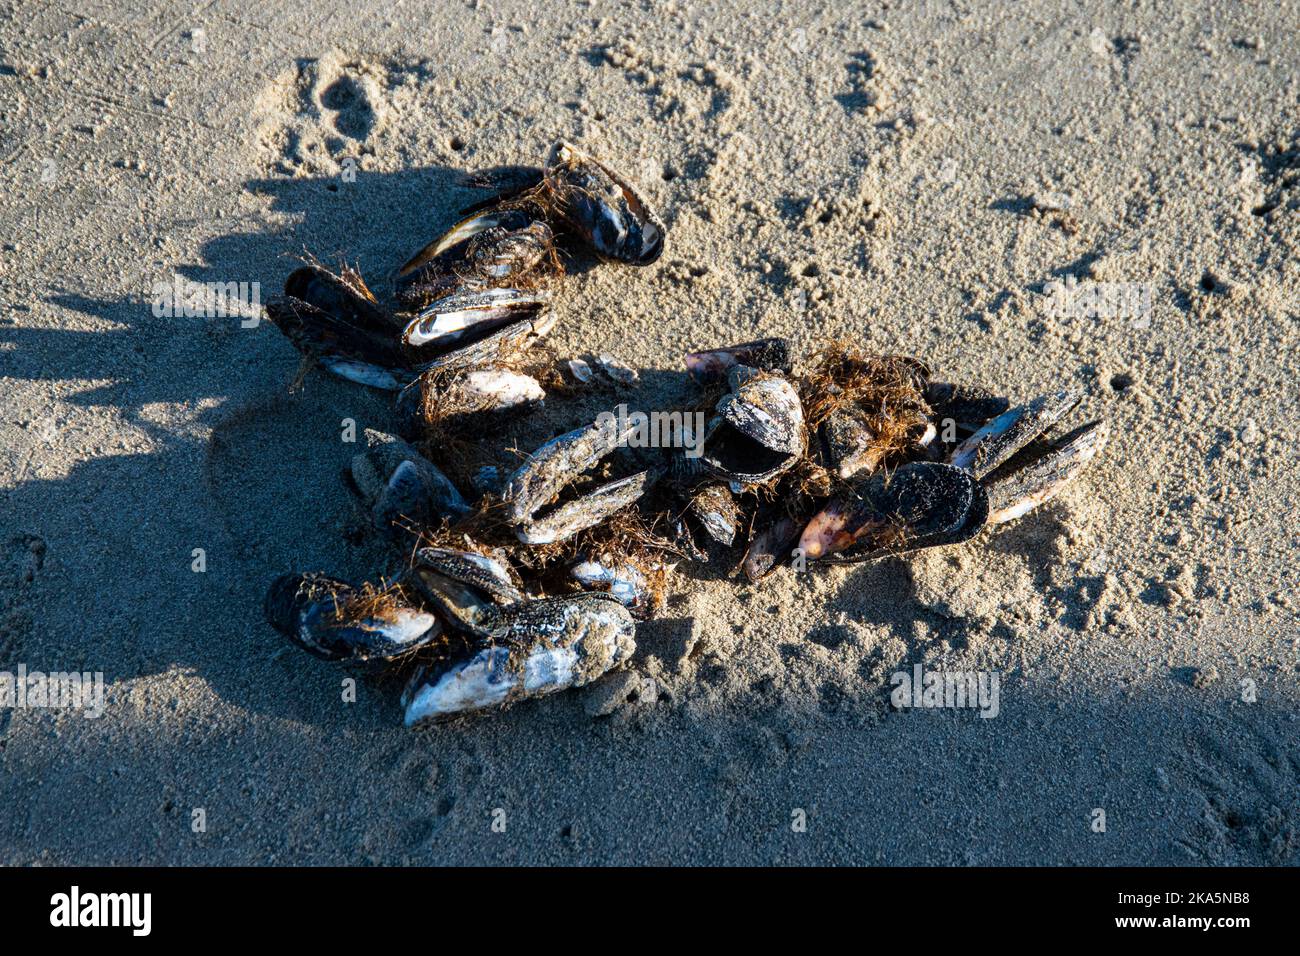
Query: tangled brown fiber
{"points": [[884, 391]]}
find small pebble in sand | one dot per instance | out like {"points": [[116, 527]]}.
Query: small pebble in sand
{"points": [[1052, 201]]}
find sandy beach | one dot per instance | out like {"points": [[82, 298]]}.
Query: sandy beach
{"points": [[1027, 196]]}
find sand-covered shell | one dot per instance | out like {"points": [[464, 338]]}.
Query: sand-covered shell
{"points": [[537, 647], [848, 445], [533, 495], [717, 512]]}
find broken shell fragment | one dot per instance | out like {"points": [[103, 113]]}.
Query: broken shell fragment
{"points": [[603, 208], [334, 621], [494, 388], [848, 445], [758, 431], [580, 369], [919, 505], [621, 579], [619, 372], [537, 647]]}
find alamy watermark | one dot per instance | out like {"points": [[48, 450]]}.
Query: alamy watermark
{"points": [[656, 429], [54, 690], [133, 911], [976, 690], [186, 298], [1099, 300]]}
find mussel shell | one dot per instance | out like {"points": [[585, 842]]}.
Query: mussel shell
{"points": [[397, 482], [712, 365], [460, 314], [346, 332], [312, 611], [606, 210], [495, 257], [543, 646], [1005, 435], [495, 388], [509, 326], [1019, 487], [919, 505], [472, 568], [716, 510], [501, 254], [566, 520], [348, 301], [555, 465], [468, 589], [452, 246], [509, 185], [461, 606], [758, 431], [533, 490]]}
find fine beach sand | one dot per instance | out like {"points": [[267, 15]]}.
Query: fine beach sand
{"points": [[913, 178]]}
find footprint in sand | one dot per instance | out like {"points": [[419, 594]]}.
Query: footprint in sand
{"points": [[321, 113]]}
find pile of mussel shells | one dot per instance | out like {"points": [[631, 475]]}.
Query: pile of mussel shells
{"points": [[516, 584]]}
